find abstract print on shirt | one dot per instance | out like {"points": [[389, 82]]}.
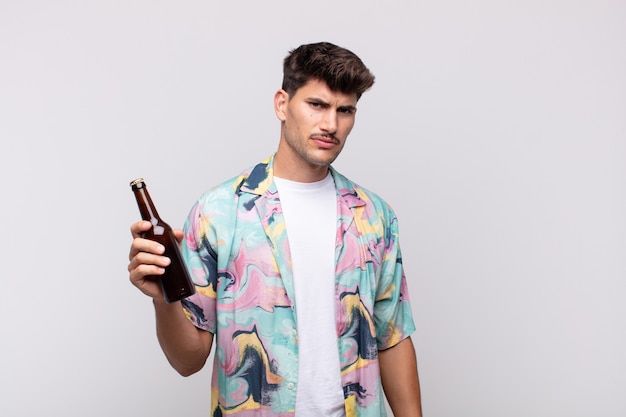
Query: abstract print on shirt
{"points": [[237, 249]]}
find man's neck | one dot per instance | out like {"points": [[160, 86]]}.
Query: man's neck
{"points": [[297, 170]]}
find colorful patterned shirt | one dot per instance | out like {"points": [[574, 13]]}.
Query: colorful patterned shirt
{"points": [[237, 249]]}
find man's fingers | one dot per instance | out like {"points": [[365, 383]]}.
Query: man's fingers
{"points": [[144, 245], [137, 228], [178, 234], [147, 259], [141, 271]]}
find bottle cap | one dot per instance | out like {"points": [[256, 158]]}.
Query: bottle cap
{"points": [[135, 182]]}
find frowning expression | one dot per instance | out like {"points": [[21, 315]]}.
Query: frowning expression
{"points": [[316, 122]]}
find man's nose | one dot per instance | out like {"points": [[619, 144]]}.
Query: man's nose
{"points": [[329, 121]]}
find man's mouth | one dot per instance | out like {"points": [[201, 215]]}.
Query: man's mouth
{"points": [[325, 140]]}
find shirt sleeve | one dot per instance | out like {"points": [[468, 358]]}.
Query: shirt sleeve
{"points": [[393, 316], [201, 261]]}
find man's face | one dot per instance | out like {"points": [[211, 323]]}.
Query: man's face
{"points": [[316, 124]]}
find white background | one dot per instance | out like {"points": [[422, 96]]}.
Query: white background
{"points": [[496, 129]]}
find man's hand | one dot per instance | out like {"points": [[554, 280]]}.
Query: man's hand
{"points": [[146, 262]]}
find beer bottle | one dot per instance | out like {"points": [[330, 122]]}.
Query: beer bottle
{"points": [[175, 282]]}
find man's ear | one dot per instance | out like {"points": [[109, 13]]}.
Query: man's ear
{"points": [[281, 98]]}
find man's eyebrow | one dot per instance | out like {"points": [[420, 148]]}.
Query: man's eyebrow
{"points": [[347, 107], [324, 103], [317, 100]]}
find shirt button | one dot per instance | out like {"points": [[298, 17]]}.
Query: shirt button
{"points": [[290, 386]]}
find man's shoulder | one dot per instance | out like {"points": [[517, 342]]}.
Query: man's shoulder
{"points": [[228, 189]]}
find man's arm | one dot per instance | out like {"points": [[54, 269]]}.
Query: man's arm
{"points": [[185, 346], [398, 371]]}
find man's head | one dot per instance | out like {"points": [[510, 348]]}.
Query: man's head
{"points": [[338, 67]]}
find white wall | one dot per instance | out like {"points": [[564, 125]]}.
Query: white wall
{"points": [[497, 130]]}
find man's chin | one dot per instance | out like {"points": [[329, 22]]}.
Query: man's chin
{"points": [[323, 158]]}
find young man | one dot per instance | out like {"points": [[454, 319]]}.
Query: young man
{"points": [[298, 270]]}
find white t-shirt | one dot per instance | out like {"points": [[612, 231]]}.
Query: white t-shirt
{"points": [[310, 211]]}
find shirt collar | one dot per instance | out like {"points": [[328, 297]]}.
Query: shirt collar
{"points": [[260, 180]]}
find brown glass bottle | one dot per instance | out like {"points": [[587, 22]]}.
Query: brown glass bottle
{"points": [[176, 281]]}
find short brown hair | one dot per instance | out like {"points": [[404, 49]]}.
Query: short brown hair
{"points": [[340, 68]]}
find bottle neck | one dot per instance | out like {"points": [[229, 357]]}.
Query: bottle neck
{"points": [[146, 206]]}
